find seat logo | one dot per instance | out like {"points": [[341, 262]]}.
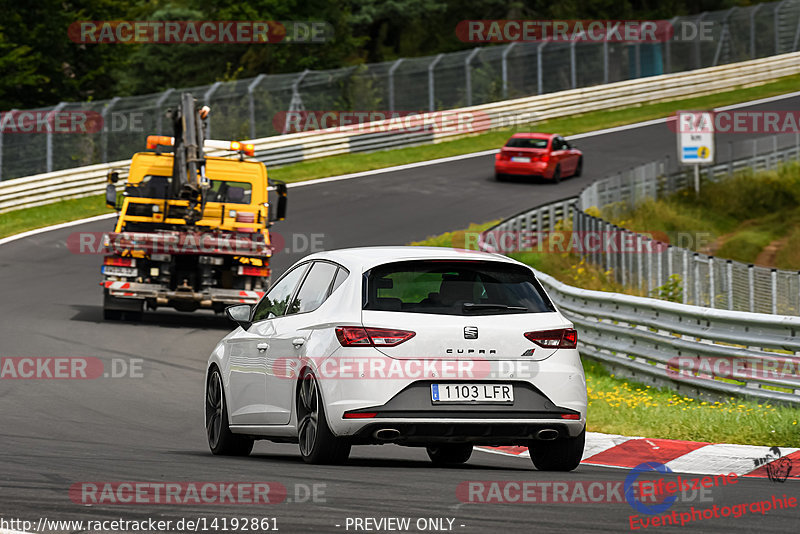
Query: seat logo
{"points": [[470, 332]]}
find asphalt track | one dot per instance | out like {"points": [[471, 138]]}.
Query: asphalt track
{"points": [[149, 428]]}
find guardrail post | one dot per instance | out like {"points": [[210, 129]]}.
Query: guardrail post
{"points": [[431, 84], [251, 103], [711, 292], [753, 30], [160, 102], [207, 100], [49, 148], [639, 263], [730, 284], [468, 73], [505, 67], [774, 280], [539, 77], [104, 114], [751, 287], [696, 261], [623, 267], [685, 276]]}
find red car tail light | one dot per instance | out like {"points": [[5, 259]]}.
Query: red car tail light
{"points": [[360, 415], [565, 338], [570, 416], [356, 336]]}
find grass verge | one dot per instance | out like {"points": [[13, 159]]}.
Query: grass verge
{"points": [[349, 163], [618, 406]]}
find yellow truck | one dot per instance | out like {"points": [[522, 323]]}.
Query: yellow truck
{"points": [[193, 230]]}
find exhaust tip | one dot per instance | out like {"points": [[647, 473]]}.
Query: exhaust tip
{"points": [[547, 434], [387, 434]]}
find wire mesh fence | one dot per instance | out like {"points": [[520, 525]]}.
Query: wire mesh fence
{"points": [[647, 263], [257, 107]]}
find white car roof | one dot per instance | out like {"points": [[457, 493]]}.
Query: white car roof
{"points": [[364, 258]]}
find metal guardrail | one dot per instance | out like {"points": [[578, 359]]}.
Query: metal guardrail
{"points": [[676, 345], [280, 150]]}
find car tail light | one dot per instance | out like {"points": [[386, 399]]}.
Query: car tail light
{"points": [[360, 415], [545, 158], [119, 262], [570, 416], [565, 338], [356, 336], [245, 270]]}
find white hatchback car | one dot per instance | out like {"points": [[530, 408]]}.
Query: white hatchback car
{"points": [[431, 347]]}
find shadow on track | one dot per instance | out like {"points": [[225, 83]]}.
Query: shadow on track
{"points": [[166, 318]]}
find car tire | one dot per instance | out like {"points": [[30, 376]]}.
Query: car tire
{"points": [[318, 444], [221, 440], [450, 453], [579, 168], [558, 455], [557, 175]]}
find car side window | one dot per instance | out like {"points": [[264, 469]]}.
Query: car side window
{"points": [[341, 275], [276, 300], [558, 143], [315, 287]]}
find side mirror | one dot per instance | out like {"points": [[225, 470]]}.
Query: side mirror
{"points": [[111, 196], [280, 210], [240, 314]]}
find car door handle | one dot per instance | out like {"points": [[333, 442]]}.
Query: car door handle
{"points": [[262, 347], [298, 342]]}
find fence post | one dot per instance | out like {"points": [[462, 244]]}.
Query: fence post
{"points": [[605, 60], [730, 284], [391, 82], [49, 153], [468, 73], [774, 280], [775, 26], [753, 31], [751, 288], [251, 103], [431, 85], [505, 67], [697, 56], [104, 114], [539, 78], [711, 292], [207, 100], [160, 102], [668, 49], [723, 34], [573, 77]]}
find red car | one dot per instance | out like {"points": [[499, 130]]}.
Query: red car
{"points": [[538, 154]]}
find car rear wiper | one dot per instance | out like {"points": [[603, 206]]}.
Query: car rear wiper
{"points": [[472, 306]]}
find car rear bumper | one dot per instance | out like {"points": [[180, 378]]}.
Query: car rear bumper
{"points": [[477, 432], [533, 168]]}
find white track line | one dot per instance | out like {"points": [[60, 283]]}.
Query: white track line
{"points": [[423, 163]]}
